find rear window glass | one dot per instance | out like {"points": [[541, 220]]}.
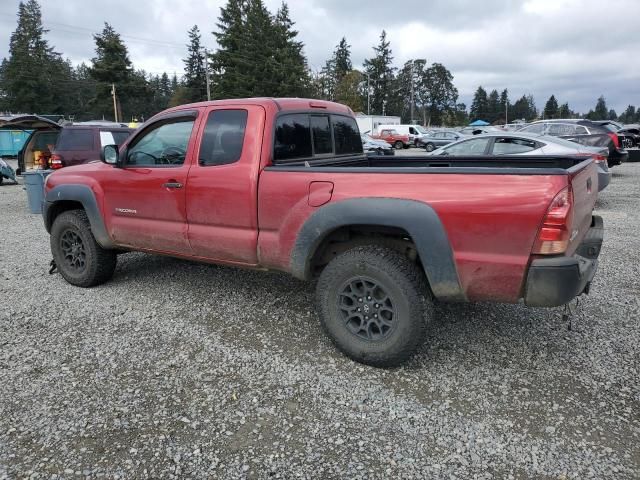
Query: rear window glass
{"points": [[75, 139], [321, 134], [223, 137], [293, 137], [561, 129], [512, 146], [345, 132], [43, 140]]}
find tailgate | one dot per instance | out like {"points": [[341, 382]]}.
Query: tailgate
{"points": [[584, 184]]}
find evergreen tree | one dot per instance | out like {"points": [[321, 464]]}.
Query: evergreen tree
{"points": [[258, 54], [601, 112], [505, 107], [564, 111], [629, 115], [111, 66], [551, 108], [612, 115], [480, 105], [533, 111], [335, 69], [524, 109], [381, 75], [195, 79], [493, 106], [342, 60], [34, 78], [85, 87], [174, 84], [350, 90], [290, 67], [440, 93]]}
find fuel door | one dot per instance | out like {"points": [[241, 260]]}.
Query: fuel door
{"points": [[320, 193]]}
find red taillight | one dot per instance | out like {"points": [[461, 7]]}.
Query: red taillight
{"points": [[55, 162], [555, 231], [616, 140], [599, 158]]}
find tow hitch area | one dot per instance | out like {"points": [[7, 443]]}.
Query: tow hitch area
{"points": [[572, 310]]}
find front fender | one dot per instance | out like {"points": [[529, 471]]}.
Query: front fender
{"points": [[84, 195], [417, 218]]}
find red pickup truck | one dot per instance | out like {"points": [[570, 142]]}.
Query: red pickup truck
{"points": [[283, 184], [393, 138]]}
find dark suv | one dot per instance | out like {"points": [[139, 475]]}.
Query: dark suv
{"points": [[81, 143], [585, 132], [53, 145]]}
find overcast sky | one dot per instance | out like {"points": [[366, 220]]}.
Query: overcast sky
{"points": [[575, 49]]}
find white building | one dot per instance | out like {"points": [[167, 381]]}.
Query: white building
{"points": [[369, 123]]}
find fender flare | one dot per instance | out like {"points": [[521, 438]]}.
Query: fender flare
{"points": [[84, 195], [419, 219]]}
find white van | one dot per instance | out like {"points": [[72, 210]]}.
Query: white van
{"points": [[415, 132]]}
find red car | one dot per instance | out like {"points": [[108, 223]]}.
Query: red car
{"points": [[283, 184], [392, 137]]}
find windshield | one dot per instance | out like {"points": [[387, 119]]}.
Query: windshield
{"points": [[420, 129], [366, 137]]}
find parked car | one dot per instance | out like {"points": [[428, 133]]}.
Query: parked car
{"points": [[6, 172], [377, 147], [392, 137], [634, 132], [53, 145], [520, 143], [383, 236], [625, 139], [584, 132], [415, 132], [438, 139]]}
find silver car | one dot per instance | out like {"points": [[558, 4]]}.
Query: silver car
{"points": [[518, 143]]}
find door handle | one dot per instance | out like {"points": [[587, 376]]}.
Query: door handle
{"points": [[172, 184]]}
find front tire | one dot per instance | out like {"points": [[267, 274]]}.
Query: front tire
{"points": [[372, 305], [430, 147], [79, 258]]}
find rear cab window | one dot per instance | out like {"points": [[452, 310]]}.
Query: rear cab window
{"points": [[308, 135]]}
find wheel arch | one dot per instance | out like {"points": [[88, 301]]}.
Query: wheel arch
{"points": [[420, 222], [70, 197]]}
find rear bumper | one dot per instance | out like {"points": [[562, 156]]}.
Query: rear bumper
{"points": [[555, 281], [604, 177]]}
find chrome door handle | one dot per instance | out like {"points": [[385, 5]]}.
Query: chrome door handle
{"points": [[172, 185]]}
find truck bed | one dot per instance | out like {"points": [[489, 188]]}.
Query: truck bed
{"points": [[490, 165]]}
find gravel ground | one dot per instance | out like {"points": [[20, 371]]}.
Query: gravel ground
{"points": [[175, 369]]}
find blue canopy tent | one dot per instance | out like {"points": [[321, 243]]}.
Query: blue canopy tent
{"points": [[479, 123]]}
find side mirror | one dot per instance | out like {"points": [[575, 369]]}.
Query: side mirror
{"points": [[110, 154]]}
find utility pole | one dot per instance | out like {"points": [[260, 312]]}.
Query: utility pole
{"points": [[411, 119], [206, 73], [115, 103]]}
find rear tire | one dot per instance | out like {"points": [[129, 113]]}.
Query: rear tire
{"points": [[374, 304], [79, 258], [398, 145], [430, 147]]}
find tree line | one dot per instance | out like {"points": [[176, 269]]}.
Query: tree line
{"points": [[258, 54]]}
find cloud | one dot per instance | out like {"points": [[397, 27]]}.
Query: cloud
{"points": [[574, 49]]}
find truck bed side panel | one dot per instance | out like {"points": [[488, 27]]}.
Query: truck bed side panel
{"points": [[491, 220]]}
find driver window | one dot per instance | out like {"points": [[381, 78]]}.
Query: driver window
{"points": [[164, 145]]}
